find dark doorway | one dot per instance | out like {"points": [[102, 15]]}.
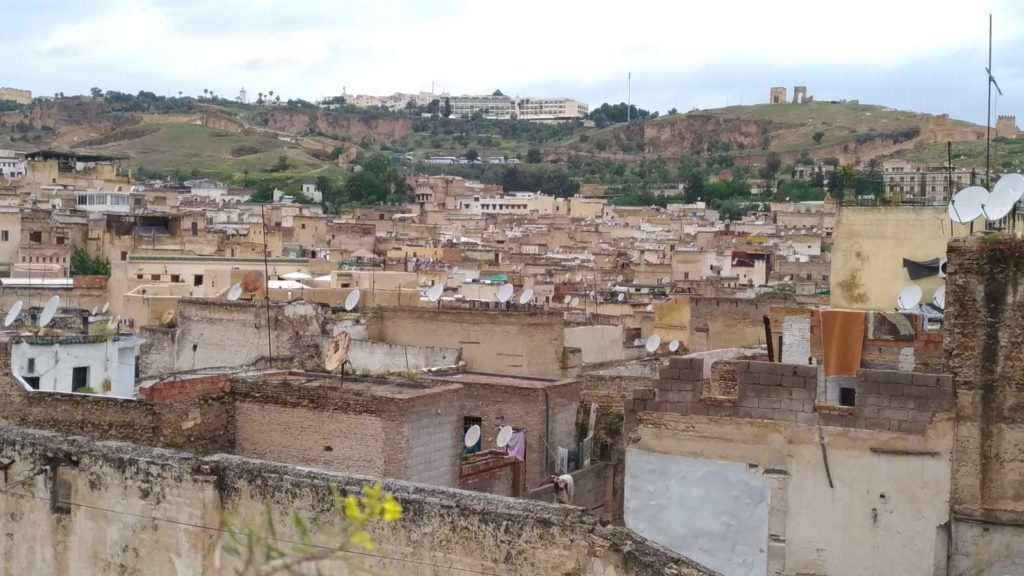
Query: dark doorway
{"points": [[79, 377]]}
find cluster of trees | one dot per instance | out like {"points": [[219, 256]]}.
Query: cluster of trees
{"points": [[607, 114], [82, 264]]}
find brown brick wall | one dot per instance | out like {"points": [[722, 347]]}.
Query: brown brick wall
{"points": [[885, 400], [99, 282], [172, 390]]}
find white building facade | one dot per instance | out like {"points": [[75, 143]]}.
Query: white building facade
{"points": [[100, 364]]}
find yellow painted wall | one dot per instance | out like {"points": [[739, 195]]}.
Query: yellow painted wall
{"points": [[870, 244]]}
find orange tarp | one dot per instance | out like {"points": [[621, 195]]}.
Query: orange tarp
{"points": [[842, 335]]}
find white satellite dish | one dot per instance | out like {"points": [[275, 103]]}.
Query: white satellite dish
{"points": [[618, 278], [650, 308], [939, 298], [942, 268], [1005, 194], [48, 311], [504, 435], [965, 207], [567, 299], [673, 345], [472, 436], [12, 314], [106, 306], [653, 343], [352, 300], [579, 277], [526, 296], [909, 297], [505, 292], [95, 309], [234, 292], [574, 302], [621, 296], [434, 292]]}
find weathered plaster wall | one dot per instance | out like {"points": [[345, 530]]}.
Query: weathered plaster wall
{"points": [[984, 332], [524, 343], [369, 357], [869, 247], [123, 509], [598, 343], [713, 512]]}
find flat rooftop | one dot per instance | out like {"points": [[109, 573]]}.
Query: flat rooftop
{"points": [[499, 380]]}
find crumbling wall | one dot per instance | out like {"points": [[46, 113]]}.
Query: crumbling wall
{"points": [[123, 509], [984, 324], [730, 322]]}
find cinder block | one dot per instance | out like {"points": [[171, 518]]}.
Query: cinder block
{"points": [[877, 423], [643, 394], [691, 375], [945, 381], [902, 402], [761, 413], [806, 371], [873, 400], [895, 413], [760, 367], [810, 419], [867, 387], [771, 379], [679, 363], [801, 394], [784, 369], [685, 385], [754, 390], [720, 410], [748, 401], [908, 427], [837, 420], [668, 374], [770, 403], [917, 391], [919, 379], [779, 392], [668, 395], [784, 416]]}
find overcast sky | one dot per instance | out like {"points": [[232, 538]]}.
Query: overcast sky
{"points": [[927, 56]]}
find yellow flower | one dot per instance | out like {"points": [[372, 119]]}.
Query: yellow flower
{"points": [[353, 511], [361, 538], [392, 510]]}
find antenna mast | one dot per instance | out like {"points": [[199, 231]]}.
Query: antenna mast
{"points": [[629, 94], [266, 283], [988, 119]]}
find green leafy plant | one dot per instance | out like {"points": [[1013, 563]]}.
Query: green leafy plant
{"points": [[262, 552], [84, 265]]}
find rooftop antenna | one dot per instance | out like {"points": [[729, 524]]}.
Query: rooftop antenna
{"points": [[48, 311], [653, 343], [988, 126], [352, 300], [266, 282], [629, 94], [526, 296], [909, 297], [504, 435], [12, 314], [337, 351], [505, 292], [472, 436]]}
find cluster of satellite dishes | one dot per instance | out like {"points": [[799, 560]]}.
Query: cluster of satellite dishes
{"points": [[48, 313], [973, 202], [473, 436], [653, 344]]}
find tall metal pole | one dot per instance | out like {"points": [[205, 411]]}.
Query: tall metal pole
{"points": [[266, 284], [988, 119], [629, 95]]}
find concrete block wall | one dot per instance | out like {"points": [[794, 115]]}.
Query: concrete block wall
{"points": [[885, 400]]}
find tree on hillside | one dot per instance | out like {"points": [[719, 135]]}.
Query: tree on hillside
{"points": [[96, 92], [282, 163], [817, 137], [533, 156], [379, 181], [323, 186], [770, 170], [607, 114], [472, 155], [84, 265], [694, 186], [447, 112]]}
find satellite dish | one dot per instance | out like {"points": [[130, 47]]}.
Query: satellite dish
{"points": [[579, 277], [942, 268], [352, 300], [252, 281], [235, 292], [673, 345], [939, 298], [650, 308], [95, 309], [504, 435], [1004, 195], [621, 297], [619, 278], [168, 317], [337, 351], [965, 207], [12, 314], [526, 296], [653, 343], [574, 302], [48, 311], [434, 292], [472, 436], [106, 306], [113, 322], [505, 292], [567, 299], [909, 297]]}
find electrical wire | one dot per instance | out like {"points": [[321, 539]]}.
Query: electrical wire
{"points": [[225, 531]]}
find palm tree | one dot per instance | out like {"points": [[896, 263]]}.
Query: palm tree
{"points": [[206, 91]]}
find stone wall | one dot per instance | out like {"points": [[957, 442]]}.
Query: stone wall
{"points": [[122, 509], [505, 342], [885, 400], [984, 321], [202, 425], [729, 322], [372, 358]]}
